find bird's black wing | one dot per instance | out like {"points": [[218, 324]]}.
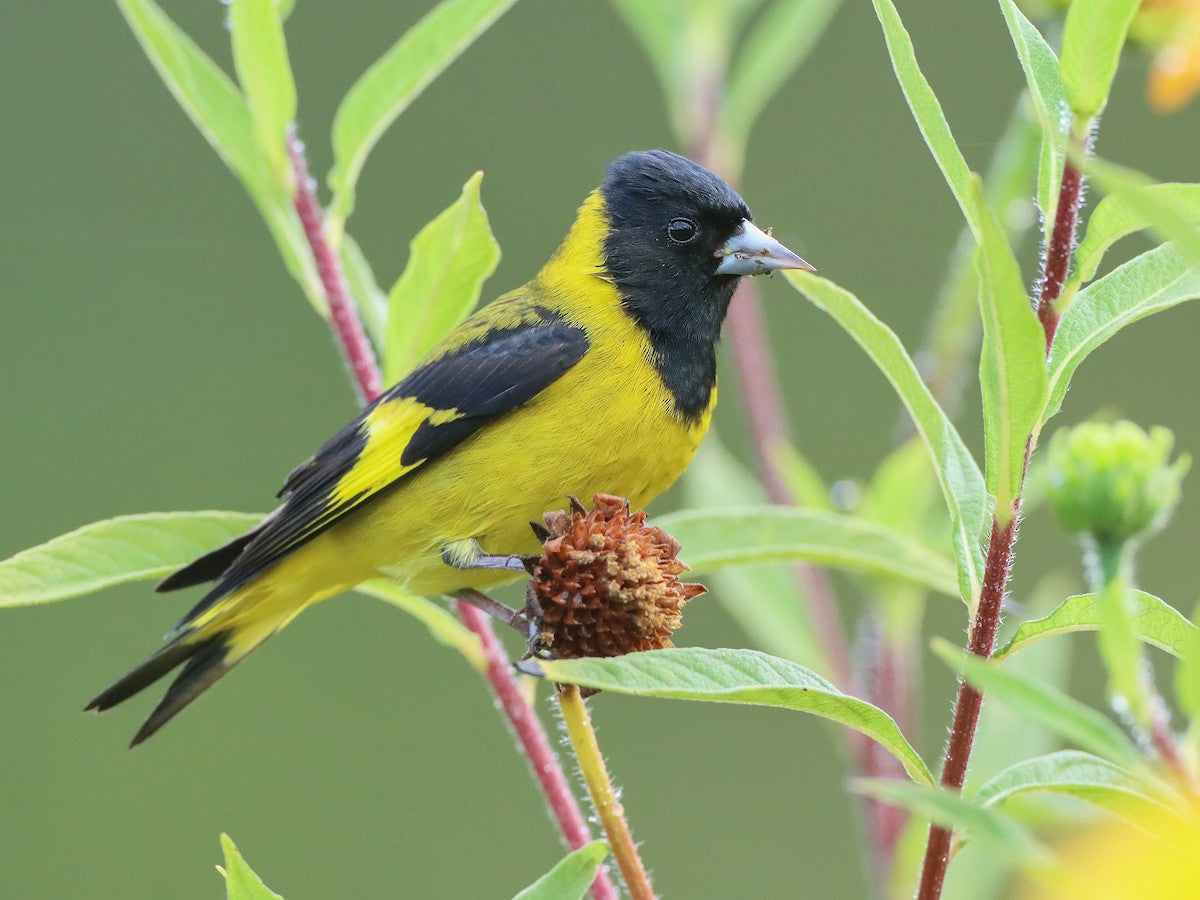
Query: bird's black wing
{"points": [[467, 384]]}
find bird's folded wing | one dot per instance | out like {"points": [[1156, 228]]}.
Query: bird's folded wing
{"points": [[465, 386]]}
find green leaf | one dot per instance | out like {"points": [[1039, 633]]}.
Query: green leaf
{"points": [[368, 298], [990, 828], [240, 881], [209, 98], [445, 628], [448, 262], [221, 114], [260, 57], [1121, 651], [1187, 673], [902, 492], [778, 43], [571, 876], [733, 676], [1012, 368], [803, 481], [115, 551], [1166, 212], [394, 81], [960, 479], [1156, 280], [661, 29], [1154, 620], [1093, 35], [1076, 774], [714, 538], [1115, 217], [1042, 704], [926, 109], [1049, 100], [764, 599]]}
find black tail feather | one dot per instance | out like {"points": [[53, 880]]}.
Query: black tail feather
{"points": [[208, 567], [205, 663]]}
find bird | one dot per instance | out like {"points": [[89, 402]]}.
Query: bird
{"points": [[596, 376]]}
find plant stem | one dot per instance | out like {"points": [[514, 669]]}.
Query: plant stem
{"points": [[360, 358], [531, 737], [982, 636], [966, 711], [604, 798], [343, 316]]}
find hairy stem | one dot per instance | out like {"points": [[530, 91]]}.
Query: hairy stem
{"points": [[360, 357], [604, 798], [531, 737], [343, 316], [982, 636]]}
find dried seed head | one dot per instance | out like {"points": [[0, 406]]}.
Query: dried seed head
{"points": [[606, 584]]}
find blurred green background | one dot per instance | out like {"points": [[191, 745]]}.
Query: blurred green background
{"points": [[155, 356]]}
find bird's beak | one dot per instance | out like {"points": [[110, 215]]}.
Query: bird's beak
{"points": [[751, 251]]}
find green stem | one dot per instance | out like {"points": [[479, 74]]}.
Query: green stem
{"points": [[604, 798]]}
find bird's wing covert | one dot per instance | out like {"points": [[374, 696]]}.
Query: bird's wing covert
{"points": [[465, 386]]}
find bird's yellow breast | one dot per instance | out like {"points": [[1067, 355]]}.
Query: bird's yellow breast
{"points": [[607, 425]]}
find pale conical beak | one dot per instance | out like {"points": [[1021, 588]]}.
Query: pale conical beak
{"points": [[751, 251]]}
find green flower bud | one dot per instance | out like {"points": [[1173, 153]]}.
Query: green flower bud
{"points": [[1113, 481]]}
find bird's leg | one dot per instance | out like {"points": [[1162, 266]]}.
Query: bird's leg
{"points": [[513, 617], [469, 555]]}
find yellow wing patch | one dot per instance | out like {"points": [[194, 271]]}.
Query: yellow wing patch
{"points": [[389, 427]]}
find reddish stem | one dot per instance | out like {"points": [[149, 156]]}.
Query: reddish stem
{"points": [[982, 637], [360, 356], [343, 316], [966, 711], [532, 737], [1058, 254]]}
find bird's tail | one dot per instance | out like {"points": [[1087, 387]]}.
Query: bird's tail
{"points": [[207, 647]]}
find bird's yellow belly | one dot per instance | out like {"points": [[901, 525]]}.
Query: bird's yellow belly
{"points": [[606, 427]]}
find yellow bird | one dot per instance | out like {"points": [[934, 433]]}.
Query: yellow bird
{"points": [[599, 375]]}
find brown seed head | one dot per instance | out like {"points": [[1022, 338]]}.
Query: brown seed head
{"points": [[606, 584]]}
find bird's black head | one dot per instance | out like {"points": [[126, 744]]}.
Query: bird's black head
{"points": [[678, 238], [668, 220]]}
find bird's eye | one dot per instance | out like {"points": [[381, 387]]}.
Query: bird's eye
{"points": [[681, 230]]}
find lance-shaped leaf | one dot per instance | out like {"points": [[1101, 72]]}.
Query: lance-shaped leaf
{"points": [[1046, 90], [778, 43], [1116, 217], [990, 828], [1093, 36], [241, 883], [571, 876], [1043, 705], [397, 78], [715, 538], [218, 110], [260, 57], [926, 109], [1187, 674], [115, 551], [1012, 368], [733, 676], [1154, 620], [1075, 774], [1156, 280], [448, 262], [958, 475], [1166, 212]]}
